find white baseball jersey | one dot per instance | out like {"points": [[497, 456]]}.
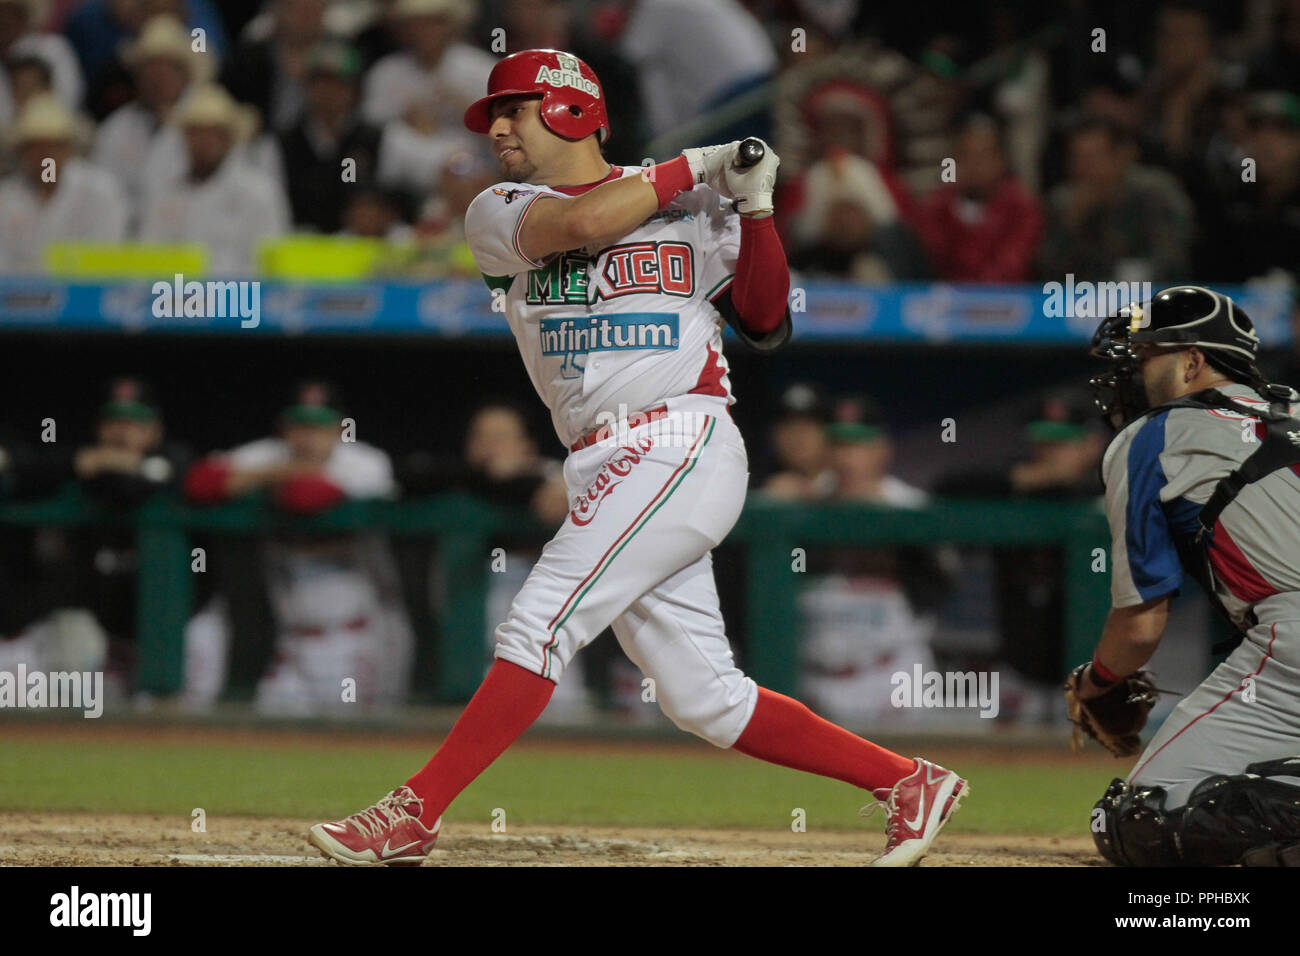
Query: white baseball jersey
{"points": [[606, 332]]}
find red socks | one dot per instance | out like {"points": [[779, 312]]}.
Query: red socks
{"points": [[505, 705], [784, 731]]}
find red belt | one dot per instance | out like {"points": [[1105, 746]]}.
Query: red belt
{"points": [[632, 421]]}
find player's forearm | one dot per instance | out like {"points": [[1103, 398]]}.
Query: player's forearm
{"points": [[762, 284], [611, 209], [1131, 636]]}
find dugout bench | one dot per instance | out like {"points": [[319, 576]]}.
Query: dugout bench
{"points": [[464, 527]]}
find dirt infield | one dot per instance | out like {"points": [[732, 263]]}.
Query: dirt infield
{"points": [[28, 839]]}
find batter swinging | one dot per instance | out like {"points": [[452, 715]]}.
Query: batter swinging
{"points": [[616, 284]]}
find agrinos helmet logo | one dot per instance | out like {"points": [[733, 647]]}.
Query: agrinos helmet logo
{"points": [[567, 74]]}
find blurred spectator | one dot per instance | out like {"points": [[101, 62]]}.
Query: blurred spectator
{"points": [[693, 56], [1254, 227], [1113, 219], [561, 25], [850, 227], [27, 471], [430, 83], [375, 213], [27, 76], [499, 461], [125, 464], [1185, 90], [861, 453], [268, 66], [54, 195], [100, 30], [1113, 92], [1020, 96], [1276, 66], [223, 202], [330, 132], [441, 226], [856, 96], [134, 142], [340, 623], [984, 227], [798, 437], [1066, 442], [20, 37], [867, 615]]}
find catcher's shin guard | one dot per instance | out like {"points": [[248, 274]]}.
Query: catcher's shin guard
{"points": [[1244, 818], [1135, 829]]}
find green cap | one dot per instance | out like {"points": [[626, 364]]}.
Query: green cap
{"points": [[853, 432], [1056, 431], [136, 411], [129, 398], [311, 415]]}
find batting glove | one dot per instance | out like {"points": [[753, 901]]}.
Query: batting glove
{"points": [[710, 163], [752, 187]]}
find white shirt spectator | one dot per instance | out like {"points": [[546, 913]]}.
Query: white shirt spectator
{"points": [[360, 470], [230, 213], [65, 72], [688, 52], [398, 82], [125, 141], [414, 160], [88, 205]]}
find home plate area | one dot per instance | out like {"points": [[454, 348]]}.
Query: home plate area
{"points": [[86, 839]]}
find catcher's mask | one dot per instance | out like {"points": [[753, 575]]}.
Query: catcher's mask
{"points": [[1176, 318]]}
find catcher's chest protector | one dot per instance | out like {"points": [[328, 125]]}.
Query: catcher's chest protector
{"points": [[1279, 447]]}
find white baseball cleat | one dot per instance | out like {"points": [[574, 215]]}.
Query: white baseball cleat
{"points": [[388, 833], [915, 811]]}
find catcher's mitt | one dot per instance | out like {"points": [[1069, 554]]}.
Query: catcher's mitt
{"points": [[1115, 717]]}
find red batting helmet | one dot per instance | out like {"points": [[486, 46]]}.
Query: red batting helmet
{"points": [[573, 104]]}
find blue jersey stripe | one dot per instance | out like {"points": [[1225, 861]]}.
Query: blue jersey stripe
{"points": [[1152, 557]]}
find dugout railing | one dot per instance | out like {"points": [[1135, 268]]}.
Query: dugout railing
{"points": [[464, 528]]}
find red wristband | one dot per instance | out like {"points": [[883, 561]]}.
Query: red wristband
{"points": [[1102, 675], [670, 179]]}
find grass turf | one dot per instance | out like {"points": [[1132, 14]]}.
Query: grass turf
{"points": [[688, 786]]}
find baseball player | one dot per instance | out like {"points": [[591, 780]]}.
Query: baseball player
{"points": [[616, 284], [334, 596], [1204, 483]]}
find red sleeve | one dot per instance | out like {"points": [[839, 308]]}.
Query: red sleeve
{"points": [[308, 494], [205, 482], [762, 284]]}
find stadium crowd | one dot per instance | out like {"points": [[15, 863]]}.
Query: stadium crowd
{"points": [[1012, 143]]}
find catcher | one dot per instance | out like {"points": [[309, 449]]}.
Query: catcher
{"points": [[1203, 480]]}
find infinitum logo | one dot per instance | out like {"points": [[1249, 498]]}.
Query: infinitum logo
{"points": [[74, 908], [78, 690]]}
